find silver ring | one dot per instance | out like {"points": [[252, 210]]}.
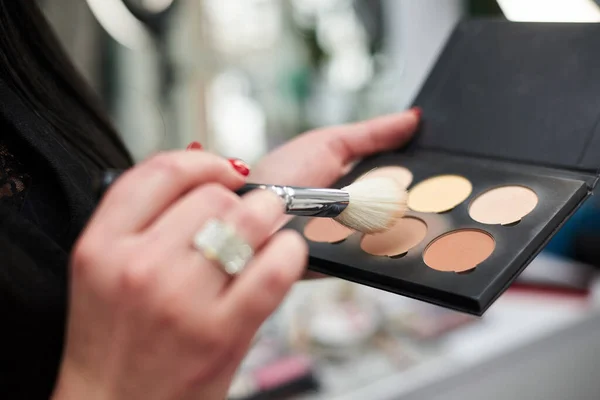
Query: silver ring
{"points": [[219, 242]]}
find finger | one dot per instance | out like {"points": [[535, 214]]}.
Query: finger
{"points": [[239, 165], [194, 146], [256, 217], [259, 290], [177, 226], [365, 138], [171, 237], [145, 191], [253, 218]]}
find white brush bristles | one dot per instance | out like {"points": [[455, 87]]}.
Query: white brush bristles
{"points": [[376, 204]]}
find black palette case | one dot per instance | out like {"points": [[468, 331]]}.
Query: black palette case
{"points": [[506, 104]]}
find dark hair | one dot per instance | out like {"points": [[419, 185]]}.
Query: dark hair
{"points": [[34, 64]]}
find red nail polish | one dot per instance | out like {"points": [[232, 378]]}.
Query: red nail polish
{"points": [[194, 146], [418, 111], [240, 166]]}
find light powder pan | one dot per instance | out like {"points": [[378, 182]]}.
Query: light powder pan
{"points": [[326, 230], [439, 194], [503, 205], [397, 241], [402, 175]]}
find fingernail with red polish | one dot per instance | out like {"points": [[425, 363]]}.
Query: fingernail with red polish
{"points": [[240, 166], [418, 111], [194, 146]]}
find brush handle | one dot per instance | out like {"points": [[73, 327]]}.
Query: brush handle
{"points": [[306, 202], [299, 201]]}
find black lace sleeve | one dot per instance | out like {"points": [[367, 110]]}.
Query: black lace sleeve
{"points": [[14, 179], [32, 285]]}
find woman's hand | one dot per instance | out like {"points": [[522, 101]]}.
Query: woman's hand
{"points": [[321, 157], [150, 317]]}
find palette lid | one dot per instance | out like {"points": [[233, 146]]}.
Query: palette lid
{"points": [[522, 92]]}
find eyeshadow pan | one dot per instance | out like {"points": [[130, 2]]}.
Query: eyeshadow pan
{"points": [[439, 194], [400, 174], [459, 251], [503, 205], [406, 234], [326, 230]]}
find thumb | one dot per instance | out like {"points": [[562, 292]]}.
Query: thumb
{"points": [[379, 134]]}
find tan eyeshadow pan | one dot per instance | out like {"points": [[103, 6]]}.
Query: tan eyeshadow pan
{"points": [[402, 175], [405, 235], [503, 205], [439, 194], [325, 230], [459, 251]]}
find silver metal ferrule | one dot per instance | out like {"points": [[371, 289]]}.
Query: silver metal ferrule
{"points": [[309, 202]]}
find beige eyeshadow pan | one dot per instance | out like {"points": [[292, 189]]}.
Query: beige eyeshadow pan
{"points": [[439, 194], [503, 205], [406, 234], [326, 230], [459, 251], [402, 175]]}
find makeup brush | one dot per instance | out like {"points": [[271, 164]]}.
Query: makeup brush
{"points": [[369, 205]]}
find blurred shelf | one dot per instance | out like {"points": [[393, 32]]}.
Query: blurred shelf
{"points": [[533, 346]]}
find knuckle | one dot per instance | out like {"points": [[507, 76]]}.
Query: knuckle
{"points": [[166, 163], [214, 336], [172, 312], [266, 201], [297, 242], [82, 262], [219, 195], [85, 253], [137, 277], [296, 246], [249, 219], [274, 202], [257, 308], [278, 280]]}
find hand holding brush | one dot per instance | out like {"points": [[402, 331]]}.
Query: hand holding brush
{"points": [[369, 205]]}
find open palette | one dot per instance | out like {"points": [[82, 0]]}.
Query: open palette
{"points": [[509, 148]]}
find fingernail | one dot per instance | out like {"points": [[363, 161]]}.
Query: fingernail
{"points": [[240, 166], [194, 146], [418, 111]]}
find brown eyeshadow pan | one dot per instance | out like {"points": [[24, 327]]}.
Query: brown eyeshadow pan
{"points": [[405, 235], [459, 251]]}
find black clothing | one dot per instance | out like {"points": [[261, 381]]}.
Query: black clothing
{"points": [[45, 200]]}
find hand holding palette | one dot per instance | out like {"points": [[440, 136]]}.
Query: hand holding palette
{"points": [[508, 150]]}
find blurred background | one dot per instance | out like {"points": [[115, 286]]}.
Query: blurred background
{"points": [[243, 76]]}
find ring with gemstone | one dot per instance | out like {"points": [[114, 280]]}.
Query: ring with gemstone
{"points": [[219, 242]]}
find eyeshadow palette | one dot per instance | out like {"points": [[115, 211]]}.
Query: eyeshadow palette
{"points": [[508, 150]]}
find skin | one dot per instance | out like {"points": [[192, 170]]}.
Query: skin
{"points": [[151, 318], [319, 158]]}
